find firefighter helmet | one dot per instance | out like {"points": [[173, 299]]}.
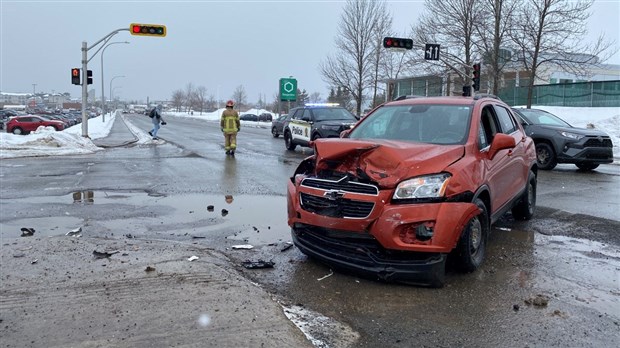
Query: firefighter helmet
{"points": [[230, 103]]}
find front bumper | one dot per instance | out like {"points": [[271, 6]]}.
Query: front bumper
{"points": [[367, 234], [589, 149]]}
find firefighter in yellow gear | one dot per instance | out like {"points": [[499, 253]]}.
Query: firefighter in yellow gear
{"points": [[230, 125]]}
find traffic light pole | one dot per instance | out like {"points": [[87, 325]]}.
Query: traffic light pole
{"points": [[85, 61]]}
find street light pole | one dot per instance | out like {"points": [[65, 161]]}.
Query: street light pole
{"points": [[102, 88], [111, 84]]}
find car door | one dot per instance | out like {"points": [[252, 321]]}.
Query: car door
{"points": [[500, 169], [519, 161], [300, 126]]}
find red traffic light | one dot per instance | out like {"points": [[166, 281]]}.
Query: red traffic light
{"points": [[147, 29], [396, 42], [75, 76]]}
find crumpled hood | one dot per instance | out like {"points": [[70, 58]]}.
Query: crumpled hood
{"points": [[383, 161]]}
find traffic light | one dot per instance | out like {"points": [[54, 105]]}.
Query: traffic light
{"points": [[75, 76], [476, 77], [147, 29], [89, 77], [396, 42]]}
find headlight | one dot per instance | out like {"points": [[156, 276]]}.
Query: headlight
{"points": [[330, 127], [572, 135], [429, 186]]}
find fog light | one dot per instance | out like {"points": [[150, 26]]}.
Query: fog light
{"points": [[425, 231]]}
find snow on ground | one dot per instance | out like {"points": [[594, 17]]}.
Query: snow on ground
{"points": [[47, 142]]}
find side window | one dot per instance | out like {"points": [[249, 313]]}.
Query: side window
{"points": [[488, 124], [307, 116], [482, 137], [506, 122], [297, 114]]}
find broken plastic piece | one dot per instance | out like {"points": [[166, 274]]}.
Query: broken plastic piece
{"points": [[103, 254], [286, 246], [258, 264], [192, 258], [210, 208], [27, 231], [74, 232], [224, 212], [149, 269], [329, 275], [243, 246]]}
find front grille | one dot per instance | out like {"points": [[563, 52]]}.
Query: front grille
{"points": [[596, 142], [341, 185], [337, 208]]}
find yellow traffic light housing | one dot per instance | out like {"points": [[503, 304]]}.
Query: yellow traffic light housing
{"points": [[147, 29]]}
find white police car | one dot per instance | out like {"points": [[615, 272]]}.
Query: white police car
{"points": [[313, 121]]}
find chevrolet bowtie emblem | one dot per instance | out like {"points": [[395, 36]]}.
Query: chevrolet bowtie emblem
{"points": [[333, 195]]}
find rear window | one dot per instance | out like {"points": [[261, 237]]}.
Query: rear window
{"points": [[434, 124]]}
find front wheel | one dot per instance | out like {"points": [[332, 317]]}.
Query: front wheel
{"points": [[524, 209], [274, 132], [586, 166], [288, 142], [17, 131], [472, 244], [545, 156]]}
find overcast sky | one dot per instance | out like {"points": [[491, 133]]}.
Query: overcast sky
{"points": [[216, 44]]}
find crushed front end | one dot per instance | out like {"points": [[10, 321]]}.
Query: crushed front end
{"points": [[342, 210]]}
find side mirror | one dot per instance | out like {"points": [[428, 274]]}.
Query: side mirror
{"points": [[500, 142]]}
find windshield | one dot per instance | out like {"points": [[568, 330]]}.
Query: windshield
{"points": [[434, 124], [542, 117], [328, 114]]}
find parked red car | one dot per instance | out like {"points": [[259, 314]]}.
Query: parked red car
{"points": [[413, 183], [29, 123]]}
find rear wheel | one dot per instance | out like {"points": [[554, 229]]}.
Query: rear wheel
{"points": [[471, 248], [274, 132], [524, 209], [586, 166], [545, 156], [288, 141], [17, 131]]}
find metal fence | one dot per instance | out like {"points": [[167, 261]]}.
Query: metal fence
{"points": [[579, 94]]}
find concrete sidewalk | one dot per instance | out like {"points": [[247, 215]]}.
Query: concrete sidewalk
{"points": [[119, 135]]}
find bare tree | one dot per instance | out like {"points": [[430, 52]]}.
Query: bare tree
{"points": [[450, 23], [382, 29], [189, 96], [548, 32], [177, 99], [315, 97], [201, 97], [492, 37], [351, 67], [240, 96]]}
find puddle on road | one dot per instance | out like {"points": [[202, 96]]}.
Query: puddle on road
{"points": [[572, 270], [253, 219]]}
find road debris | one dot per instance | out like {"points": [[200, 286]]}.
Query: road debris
{"points": [[198, 237], [224, 212], [192, 258], [27, 231], [286, 246], [19, 255], [210, 208], [74, 232], [149, 269], [326, 276], [104, 254], [538, 301], [249, 264], [34, 261], [243, 246]]}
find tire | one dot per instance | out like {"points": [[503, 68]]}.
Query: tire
{"points": [[274, 132], [288, 142], [586, 166], [471, 248], [17, 131], [545, 156], [524, 209]]}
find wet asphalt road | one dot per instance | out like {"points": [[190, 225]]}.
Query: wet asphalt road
{"points": [[568, 256]]}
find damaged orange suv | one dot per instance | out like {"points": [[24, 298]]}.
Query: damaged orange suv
{"points": [[414, 183]]}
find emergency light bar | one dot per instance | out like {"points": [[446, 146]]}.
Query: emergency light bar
{"points": [[322, 104]]}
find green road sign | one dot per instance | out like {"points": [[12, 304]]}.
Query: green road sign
{"points": [[288, 89]]}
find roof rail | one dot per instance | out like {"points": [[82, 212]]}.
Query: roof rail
{"points": [[485, 95], [411, 96]]}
